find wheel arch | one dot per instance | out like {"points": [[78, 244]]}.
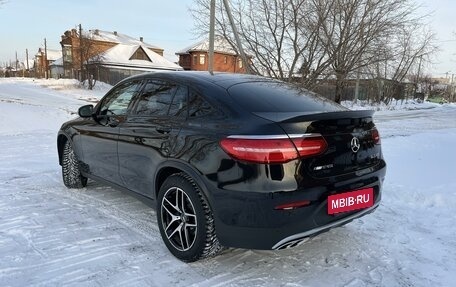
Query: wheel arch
{"points": [[171, 167], [61, 141]]}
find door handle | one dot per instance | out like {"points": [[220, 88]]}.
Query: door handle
{"points": [[163, 130], [140, 140], [113, 122]]}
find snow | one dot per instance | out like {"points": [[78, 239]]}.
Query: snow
{"points": [[57, 62], [121, 55], [411, 104], [52, 55], [115, 37], [52, 236], [221, 45]]}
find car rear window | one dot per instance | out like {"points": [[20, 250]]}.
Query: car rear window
{"points": [[275, 96]]}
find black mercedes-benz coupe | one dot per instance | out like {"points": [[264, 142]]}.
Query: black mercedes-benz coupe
{"points": [[228, 160]]}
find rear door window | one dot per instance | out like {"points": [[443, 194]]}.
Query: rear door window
{"points": [[199, 107], [179, 104], [155, 99]]}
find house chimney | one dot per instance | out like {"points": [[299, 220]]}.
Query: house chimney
{"points": [[115, 33], [141, 39]]}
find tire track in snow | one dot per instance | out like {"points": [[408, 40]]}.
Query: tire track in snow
{"points": [[143, 222]]}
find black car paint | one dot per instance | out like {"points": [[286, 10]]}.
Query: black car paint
{"points": [[137, 153]]}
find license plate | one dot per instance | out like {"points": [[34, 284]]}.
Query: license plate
{"points": [[351, 200]]}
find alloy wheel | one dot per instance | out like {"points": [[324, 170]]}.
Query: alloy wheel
{"points": [[178, 218]]}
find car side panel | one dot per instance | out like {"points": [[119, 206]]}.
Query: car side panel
{"points": [[99, 146], [144, 143]]}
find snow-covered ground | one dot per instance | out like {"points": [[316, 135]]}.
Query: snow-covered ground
{"points": [[97, 236]]}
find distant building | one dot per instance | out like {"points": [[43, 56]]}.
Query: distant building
{"points": [[109, 56], [443, 80], [43, 60], [226, 59], [124, 60], [27, 64], [56, 69]]}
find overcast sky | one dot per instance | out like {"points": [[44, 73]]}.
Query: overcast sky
{"points": [[165, 23]]}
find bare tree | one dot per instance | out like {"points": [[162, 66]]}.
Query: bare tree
{"points": [[408, 50], [89, 53], [415, 46], [310, 40], [279, 35], [354, 32]]}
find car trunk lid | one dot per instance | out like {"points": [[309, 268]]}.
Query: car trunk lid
{"points": [[352, 139]]}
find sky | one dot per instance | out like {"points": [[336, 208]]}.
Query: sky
{"points": [[442, 21], [25, 23], [167, 24]]}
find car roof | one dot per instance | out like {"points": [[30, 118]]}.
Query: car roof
{"points": [[249, 93], [224, 80]]}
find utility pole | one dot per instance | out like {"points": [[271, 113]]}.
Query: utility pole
{"points": [[27, 59], [357, 87], [211, 38], [16, 65], [386, 69], [236, 36], [419, 69], [80, 53], [45, 60], [452, 88]]}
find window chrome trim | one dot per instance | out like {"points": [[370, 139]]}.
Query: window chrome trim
{"points": [[274, 137]]}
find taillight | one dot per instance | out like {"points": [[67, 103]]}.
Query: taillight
{"points": [[260, 150], [375, 136], [272, 149], [310, 145]]}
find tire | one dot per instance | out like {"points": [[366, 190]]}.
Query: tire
{"points": [[72, 177], [185, 219]]}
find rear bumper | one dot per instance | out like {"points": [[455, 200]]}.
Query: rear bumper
{"points": [[295, 239], [249, 220]]}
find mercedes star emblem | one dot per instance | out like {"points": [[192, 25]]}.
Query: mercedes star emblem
{"points": [[355, 145]]}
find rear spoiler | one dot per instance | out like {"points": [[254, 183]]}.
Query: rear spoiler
{"points": [[289, 117]]}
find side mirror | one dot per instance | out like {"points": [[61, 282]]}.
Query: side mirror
{"points": [[86, 111]]}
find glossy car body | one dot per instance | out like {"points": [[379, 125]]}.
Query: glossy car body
{"points": [[253, 203]]}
